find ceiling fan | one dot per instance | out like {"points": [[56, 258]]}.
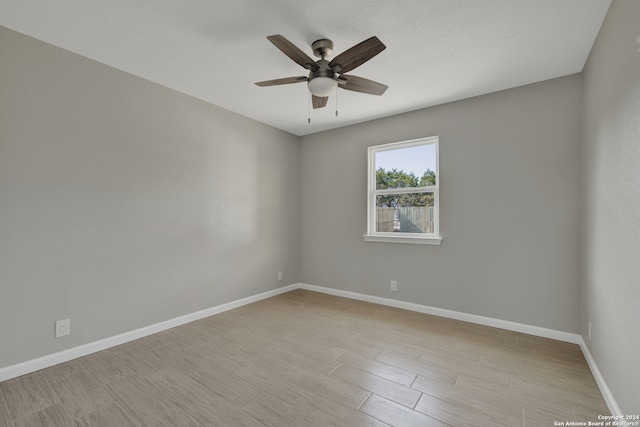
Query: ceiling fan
{"points": [[325, 76]]}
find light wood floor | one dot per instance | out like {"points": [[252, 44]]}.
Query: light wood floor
{"points": [[309, 359]]}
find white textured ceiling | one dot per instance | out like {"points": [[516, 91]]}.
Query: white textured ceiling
{"points": [[437, 50]]}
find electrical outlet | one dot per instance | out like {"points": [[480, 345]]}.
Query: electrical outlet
{"points": [[279, 275], [589, 331], [394, 285], [63, 327]]}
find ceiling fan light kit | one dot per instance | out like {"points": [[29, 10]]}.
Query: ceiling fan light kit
{"points": [[322, 86], [324, 76]]}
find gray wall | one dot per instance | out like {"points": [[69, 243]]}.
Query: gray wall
{"points": [[610, 279], [123, 203], [509, 208]]}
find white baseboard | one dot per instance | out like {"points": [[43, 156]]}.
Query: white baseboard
{"points": [[602, 385], [450, 314], [487, 321], [29, 366]]}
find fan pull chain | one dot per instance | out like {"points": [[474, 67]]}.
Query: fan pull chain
{"points": [[336, 102], [309, 109]]}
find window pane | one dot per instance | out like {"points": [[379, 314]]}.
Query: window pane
{"points": [[405, 213], [406, 167]]}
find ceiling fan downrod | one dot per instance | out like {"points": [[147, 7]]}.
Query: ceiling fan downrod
{"points": [[322, 48]]}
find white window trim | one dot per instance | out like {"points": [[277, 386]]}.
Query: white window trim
{"points": [[414, 238]]}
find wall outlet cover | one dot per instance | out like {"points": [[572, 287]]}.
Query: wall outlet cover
{"points": [[63, 327]]}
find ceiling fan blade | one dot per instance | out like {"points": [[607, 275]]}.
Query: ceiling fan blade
{"points": [[284, 81], [319, 101], [359, 84], [293, 52], [357, 55]]}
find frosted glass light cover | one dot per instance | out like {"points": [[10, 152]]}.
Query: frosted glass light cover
{"points": [[322, 86]]}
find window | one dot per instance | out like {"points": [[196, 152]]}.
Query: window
{"points": [[404, 194]]}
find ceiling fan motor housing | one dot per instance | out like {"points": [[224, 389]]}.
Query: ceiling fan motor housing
{"points": [[322, 82]]}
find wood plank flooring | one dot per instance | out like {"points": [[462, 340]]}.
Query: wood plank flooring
{"points": [[309, 359]]}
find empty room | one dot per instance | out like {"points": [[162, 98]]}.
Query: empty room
{"points": [[297, 213]]}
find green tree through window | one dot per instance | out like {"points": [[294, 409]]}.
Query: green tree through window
{"points": [[400, 179]]}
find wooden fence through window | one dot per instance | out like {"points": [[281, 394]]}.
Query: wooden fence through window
{"points": [[412, 219]]}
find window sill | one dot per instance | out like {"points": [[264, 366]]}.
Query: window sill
{"points": [[431, 240]]}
